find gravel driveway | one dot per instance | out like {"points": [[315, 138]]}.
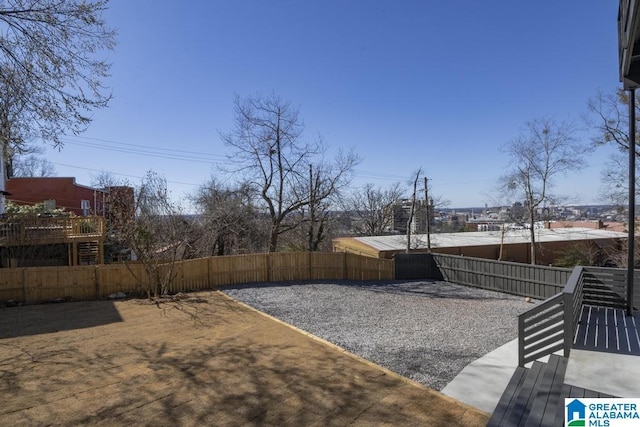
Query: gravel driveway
{"points": [[427, 331]]}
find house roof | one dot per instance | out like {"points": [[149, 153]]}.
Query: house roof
{"points": [[483, 238]]}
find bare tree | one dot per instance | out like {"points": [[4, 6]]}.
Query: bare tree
{"points": [[270, 153], [14, 131], [228, 221], [372, 208], [154, 227], [105, 180], [609, 117], [326, 182], [545, 149], [50, 76], [615, 181], [32, 166]]}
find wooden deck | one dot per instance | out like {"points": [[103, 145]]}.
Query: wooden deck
{"points": [[535, 396], [608, 330]]}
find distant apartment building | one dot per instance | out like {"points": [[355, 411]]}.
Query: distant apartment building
{"points": [[402, 212]]}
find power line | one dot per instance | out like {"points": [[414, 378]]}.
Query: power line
{"points": [[182, 157], [127, 144], [149, 151], [120, 174]]}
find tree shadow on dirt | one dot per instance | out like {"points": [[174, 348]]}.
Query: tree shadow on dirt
{"points": [[240, 382], [246, 371]]}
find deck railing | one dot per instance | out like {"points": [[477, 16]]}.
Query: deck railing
{"points": [[39, 230], [541, 330], [551, 325]]}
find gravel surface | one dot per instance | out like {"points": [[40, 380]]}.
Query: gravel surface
{"points": [[427, 331]]}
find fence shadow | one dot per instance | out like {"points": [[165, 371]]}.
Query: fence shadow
{"points": [[428, 289], [48, 318], [419, 288]]}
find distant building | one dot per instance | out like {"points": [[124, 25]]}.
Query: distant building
{"points": [[59, 192], [402, 212], [510, 245], [76, 238]]}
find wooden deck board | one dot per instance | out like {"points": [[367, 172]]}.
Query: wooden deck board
{"points": [[522, 404], [541, 395], [555, 400], [609, 330], [508, 396]]}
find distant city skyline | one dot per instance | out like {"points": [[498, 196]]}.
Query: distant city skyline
{"points": [[437, 85]]}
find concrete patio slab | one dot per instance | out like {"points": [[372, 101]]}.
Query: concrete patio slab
{"points": [[615, 374]]}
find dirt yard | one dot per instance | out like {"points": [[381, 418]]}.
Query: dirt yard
{"points": [[207, 360]]}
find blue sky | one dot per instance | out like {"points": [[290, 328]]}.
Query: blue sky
{"points": [[434, 84]]}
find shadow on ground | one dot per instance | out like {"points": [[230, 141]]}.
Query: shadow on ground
{"points": [[213, 363], [418, 288], [49, 318]]}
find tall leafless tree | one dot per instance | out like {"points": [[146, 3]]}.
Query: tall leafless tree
{"points": [[228, 221], [372, 208], [545, 149], [49, 65], [154, 227], [31, 166], [608, 116], [269, 152]]}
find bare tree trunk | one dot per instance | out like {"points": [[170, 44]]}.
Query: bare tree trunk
{"points": [[273, 237]]}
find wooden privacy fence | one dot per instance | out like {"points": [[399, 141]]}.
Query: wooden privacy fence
{"points": [[40, 284], [533, 281]]}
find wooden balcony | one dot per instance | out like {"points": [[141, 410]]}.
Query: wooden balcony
{"points": [[54, 230]]}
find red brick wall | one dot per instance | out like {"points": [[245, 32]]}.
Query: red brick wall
{"points": [[64, 191]]}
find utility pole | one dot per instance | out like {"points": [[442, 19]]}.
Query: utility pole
{"points": [[412, 210], [311, 208], [427, 202], [632, 200]]}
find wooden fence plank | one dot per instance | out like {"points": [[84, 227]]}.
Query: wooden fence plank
{"points": [[39, 284]]}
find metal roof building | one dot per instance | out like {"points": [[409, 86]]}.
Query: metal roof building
{"points": [[512, 244]]}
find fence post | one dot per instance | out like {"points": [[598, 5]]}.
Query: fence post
{"points": [[567, 335], [521, 341], [344, 266], [268, 267], [24, 285], [97, 283]]}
